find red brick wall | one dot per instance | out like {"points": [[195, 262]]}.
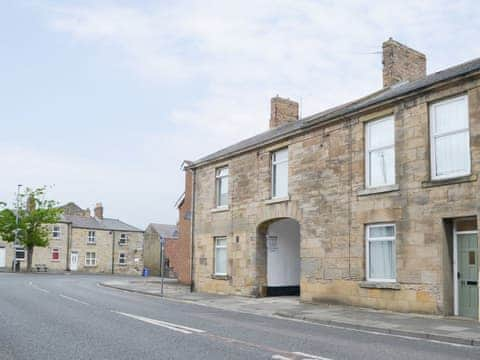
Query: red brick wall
{"points": [[183, 243]]}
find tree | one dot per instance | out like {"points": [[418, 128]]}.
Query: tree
{"points": [[35, 212]]}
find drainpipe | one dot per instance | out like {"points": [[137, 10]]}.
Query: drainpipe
{"points": [[192, 222], [113, 252]]}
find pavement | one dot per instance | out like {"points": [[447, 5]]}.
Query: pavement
{"points": [[73, 317], [448, 329]]}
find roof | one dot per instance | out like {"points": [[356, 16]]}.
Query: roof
{"points": [[88, 222], [384, 95], [166, 230]]}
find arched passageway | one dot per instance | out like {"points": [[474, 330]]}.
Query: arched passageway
{"points": [[281, 247]]}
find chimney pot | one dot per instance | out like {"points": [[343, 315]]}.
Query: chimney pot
{"points": [[98, 211], [401, 63], [282, 111]]}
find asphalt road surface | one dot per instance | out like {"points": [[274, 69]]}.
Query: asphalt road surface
{"points": [[72, 317]]}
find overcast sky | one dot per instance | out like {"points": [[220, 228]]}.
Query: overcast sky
{"points": [[104, 99]]}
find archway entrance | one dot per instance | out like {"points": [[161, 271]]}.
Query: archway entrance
{"points": [[282, 250]]}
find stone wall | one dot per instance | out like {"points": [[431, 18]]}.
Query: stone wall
{"points": [[327, 198]]}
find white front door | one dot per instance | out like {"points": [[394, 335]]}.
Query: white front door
{"points": [[2, 257], [74, 261]]}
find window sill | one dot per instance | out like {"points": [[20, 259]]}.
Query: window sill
{"points": [[90, 266], [120, 244], [378, 190], [379, 285], [89, 243], [277, 200], [220, 209], [220, 277], [450, 181], [55, 261], [122, 264]]}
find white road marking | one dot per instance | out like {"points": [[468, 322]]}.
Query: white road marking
{"points": [[280, 357], [73, 299], [308, 356], [38, 288], [175, 327]]}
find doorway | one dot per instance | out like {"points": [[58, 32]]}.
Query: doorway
{"points": [[74, 261], [466, 268], [283, 258]]}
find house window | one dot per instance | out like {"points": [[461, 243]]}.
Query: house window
{"points": [[380, 152], [449, 138], [19, 253], [221, 185], [55, 254], [56, 232], [380, 250], [122, 259], [91, 237], [90, 259], [280, 173], [123, 239], [221, 255]]}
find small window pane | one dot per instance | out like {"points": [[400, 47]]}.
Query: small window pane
{"points": [[452, 154], [451, 116], [280, 184], [382, 167], [381, 133], [382, 265], [280, 155], [382, 231]]}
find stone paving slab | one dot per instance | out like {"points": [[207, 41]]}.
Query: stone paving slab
{"points": [[448, 329]]}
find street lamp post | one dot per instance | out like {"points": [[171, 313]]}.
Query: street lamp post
{"points": [[15, 242], [162, 248]]}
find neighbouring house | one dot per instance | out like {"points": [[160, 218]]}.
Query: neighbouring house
{"points": [[81, 242], [152, 251], [184, 225], [372, 203], [178, 244]]}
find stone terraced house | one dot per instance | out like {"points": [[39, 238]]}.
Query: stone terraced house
{"points": [[85, 243], [373, 203]]}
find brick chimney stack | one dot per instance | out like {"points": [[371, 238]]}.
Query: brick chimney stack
{"points": [[401, 63], [282, 111], [98, 211]]}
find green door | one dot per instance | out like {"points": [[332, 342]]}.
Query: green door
{"points": [[467, 254]]}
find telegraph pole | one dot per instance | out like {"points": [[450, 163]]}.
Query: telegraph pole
{"points": [[16, 230]]}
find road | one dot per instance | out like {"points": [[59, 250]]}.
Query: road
{"points": [[72, 317]]}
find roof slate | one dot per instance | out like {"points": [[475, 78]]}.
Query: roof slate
{"points": [[166, 230], [378, 97], [88, 222]]}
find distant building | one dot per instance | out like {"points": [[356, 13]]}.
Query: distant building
{"points": [[81, 242], [152, 249]]}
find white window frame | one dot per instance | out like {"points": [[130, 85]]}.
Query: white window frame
{"points": [[367, 251], [57, 250], [368, 150], [218, 186], [20, 249], [216, 246], [91, 237], [88, 259], [124, 256], [123, 239], [274, 172], [56, 233], [433, 136]]}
